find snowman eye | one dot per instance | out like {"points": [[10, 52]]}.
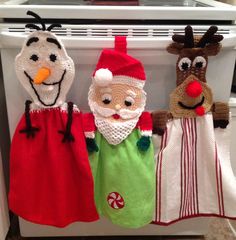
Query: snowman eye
{"points": [[34, 57], [53, 57]]}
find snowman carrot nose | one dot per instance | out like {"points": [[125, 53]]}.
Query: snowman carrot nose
{"points": [[42, 74]]}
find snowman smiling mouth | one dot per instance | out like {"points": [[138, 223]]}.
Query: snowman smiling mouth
{"points": [[58, 83]]}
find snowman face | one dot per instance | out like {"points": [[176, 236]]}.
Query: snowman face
{"points": [[44, 69]]}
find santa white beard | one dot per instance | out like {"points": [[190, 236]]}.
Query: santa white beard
{"points": [[115, 131]]}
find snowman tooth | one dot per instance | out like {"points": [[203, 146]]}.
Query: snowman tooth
{"points": [[50, 88], [47, 88]]}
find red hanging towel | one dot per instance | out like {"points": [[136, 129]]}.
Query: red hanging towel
{"points": [[51, 181]]}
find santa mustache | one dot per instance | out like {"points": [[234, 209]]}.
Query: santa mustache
{"points": [[123, 113]]}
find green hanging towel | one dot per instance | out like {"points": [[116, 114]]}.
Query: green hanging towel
{"points": [[124, 181]]}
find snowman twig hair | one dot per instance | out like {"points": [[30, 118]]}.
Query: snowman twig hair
{"points": [[54, 25], [40, 20], [32, 26]]}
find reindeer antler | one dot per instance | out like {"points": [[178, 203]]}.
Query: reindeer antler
{"points": [[186, 39], [209, 37]]}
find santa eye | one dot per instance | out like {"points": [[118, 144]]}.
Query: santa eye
{"points": [[129, 101], [184, 64], [53, 57], [199, 62], [34, 57], [106, 98]]}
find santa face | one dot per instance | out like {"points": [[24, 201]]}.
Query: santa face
{"points": [[117, 102], [116, 109], [44, 69]]}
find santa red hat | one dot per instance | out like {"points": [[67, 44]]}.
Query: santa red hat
{"points": [[115, 66]]}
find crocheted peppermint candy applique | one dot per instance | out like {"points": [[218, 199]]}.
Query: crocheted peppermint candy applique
{"points": [[115, 200]]}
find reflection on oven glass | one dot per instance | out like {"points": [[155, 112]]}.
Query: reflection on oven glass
{"points": [[162, 3], [83, 2], [172, 3]]}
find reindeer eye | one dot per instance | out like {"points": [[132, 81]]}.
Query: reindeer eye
{"points": [[184, 64], [199, 62], [106, 98]]}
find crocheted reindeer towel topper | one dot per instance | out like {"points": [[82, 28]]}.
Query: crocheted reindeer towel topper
{"points": [[192, 96]]}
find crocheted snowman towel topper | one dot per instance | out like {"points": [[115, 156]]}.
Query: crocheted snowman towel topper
{"points": [[43, 66], [46, 72]]}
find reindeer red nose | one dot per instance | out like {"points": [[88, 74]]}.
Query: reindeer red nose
{"points": [[193, 89]]}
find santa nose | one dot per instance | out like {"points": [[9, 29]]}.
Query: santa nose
{"points": [[117, 106], [42, 75], [193, 89]]}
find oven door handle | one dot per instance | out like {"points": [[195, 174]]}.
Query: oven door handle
{"points": [[16, 40]]}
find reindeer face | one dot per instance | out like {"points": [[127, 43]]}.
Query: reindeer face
{"points": [[192, 96], [191, 61]]}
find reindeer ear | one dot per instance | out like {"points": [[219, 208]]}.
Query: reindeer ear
{"points": [[212, 49], [174, 48]]}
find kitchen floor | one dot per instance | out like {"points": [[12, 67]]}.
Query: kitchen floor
{"points": [[219, 230]]}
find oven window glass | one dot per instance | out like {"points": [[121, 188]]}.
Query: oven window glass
{"points": [[166, 3]]}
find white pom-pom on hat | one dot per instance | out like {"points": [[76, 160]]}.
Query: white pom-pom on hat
{"points": [[103, 77]]}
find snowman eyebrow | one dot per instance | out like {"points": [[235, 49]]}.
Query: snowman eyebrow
{"points": [[31, 40], [53, 40], [131, 93]]}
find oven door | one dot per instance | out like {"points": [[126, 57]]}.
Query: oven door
{"points": [[84, 44], [4, 212]]}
